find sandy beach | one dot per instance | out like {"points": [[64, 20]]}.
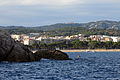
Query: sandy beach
{"points": [[92, 50]]}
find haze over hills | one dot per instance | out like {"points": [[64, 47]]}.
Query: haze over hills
{"points": [[103, 24]]}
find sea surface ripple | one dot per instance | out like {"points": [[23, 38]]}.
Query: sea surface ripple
{"points": [[90, 66]]}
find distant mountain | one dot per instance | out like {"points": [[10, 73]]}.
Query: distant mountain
{"points": [[12, 27], [103, 24], [59, 25]]}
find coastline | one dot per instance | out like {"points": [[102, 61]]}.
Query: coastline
{"points": [[92, 50]]}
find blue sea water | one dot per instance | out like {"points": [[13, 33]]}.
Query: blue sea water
{"points": [[90, 66]]}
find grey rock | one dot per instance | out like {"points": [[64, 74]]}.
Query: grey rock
{"points": [[13, 51], [51, 54]]}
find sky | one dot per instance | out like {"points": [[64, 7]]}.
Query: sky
{"points": [[45, 12]]}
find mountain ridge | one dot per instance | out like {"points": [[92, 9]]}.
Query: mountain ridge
{"points": [[102, 24]]}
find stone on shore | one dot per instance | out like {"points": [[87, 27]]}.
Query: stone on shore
{"points": [[51, 54]]}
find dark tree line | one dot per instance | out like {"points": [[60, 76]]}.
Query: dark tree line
{"points": [[95, 45], [79, 45]]}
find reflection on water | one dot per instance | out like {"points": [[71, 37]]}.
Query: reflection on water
{"points": [[90, 66]]}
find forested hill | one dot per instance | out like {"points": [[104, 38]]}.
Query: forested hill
{"points": [[13, 27], [104, 24], [68, 31], [59, 25], [97, 28]]}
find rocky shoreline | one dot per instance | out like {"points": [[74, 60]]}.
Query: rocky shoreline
{"points": [[13, 51]]}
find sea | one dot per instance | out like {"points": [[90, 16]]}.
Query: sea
{"points": [[89, 66]]}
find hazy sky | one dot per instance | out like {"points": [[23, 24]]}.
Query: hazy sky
{"points": [[43, 12]]}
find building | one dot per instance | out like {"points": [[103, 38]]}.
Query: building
{"points": [[16, 37], [115, 39], [96, 37], [28, 41], [46, 39], [108, 39]]}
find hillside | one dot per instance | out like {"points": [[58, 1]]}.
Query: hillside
{"points": [[12, 27], [80, 30], [103, 24]]}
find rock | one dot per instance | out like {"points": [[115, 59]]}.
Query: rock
{"points": [[13, 51], [20, 53], [6, 44], [51, 54]]}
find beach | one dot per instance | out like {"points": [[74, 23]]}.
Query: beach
{"points": [[92, 50]]}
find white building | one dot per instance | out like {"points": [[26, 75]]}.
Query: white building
{"points": [[28, 41], [50, 39], [16, 37], [115, 39]]}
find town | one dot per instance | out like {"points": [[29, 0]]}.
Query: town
{"points": [[29, 39]]}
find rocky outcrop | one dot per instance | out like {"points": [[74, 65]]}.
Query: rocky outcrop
{"points": [[13, 51], [6, 44], [51, 54], [20, 53]]}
